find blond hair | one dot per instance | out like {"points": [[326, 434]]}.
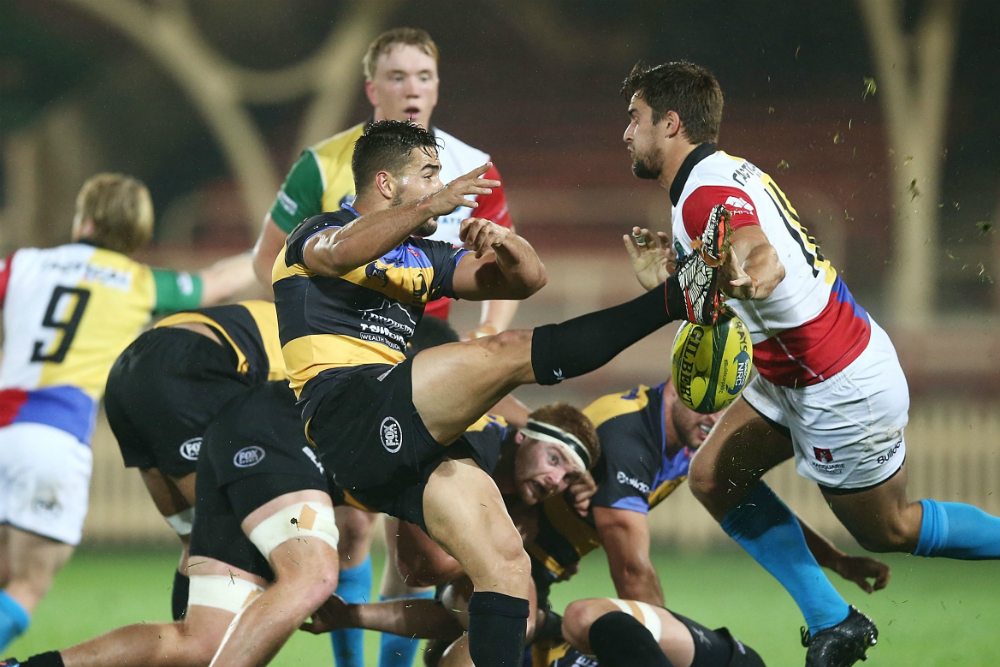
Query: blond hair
{"points": [[390, 38], [120, 208]]}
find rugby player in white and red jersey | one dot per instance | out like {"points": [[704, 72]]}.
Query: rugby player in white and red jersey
{"points": [[830, 391], [401, 82]]}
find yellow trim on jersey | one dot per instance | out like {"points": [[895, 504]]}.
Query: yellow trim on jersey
{"points": [[574, 528], [191, 317], [485, 421], [280, 270], [615, 405], [355, 503], [400, 284], [664, 490], [264, 315], [121, 291], [310, 355], [333, 156], [547, 651], [792, 216]]}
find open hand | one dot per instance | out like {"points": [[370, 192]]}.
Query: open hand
{"points": [[653, 259], [734, 282], [453, 195], [481, 235], [860, 569]]}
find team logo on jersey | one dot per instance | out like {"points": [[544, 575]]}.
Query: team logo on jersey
{"points": [[392, 435], [375, 272], [248, 456], [190, 449], [823, 455], [739, 203]]}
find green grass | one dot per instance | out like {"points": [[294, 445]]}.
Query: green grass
{"points": [[934, 613]]}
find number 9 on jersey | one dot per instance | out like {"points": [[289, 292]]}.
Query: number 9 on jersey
{"points": [[710, 364]]}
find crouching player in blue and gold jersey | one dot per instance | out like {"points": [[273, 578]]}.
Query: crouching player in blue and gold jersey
{"points": [[349, 289], [68, 312], [169, 385]]}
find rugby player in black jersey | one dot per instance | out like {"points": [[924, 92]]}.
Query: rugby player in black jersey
{"points": [[349, 288], [166, 387]]}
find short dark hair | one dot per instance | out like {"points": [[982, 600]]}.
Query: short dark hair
{"points": [[572, 420], [689, 90], [386, 145]]}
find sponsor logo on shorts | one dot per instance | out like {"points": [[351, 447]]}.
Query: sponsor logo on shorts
{"points": [[884, 458], [248, 456], [639, 486], [46, 500], [190, 449], [392, 435], [823, 455], [829, 468], [307, 450]]}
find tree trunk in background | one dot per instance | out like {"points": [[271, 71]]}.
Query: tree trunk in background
{"points": [[219, 88], [913, 77]]}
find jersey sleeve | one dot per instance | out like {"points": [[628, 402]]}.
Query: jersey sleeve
{"points": [[301, 196], [176, 290], [494, 205], [317, 223], [5, 265], [699, 204], [630, 466], [444, 258], [486, 437]]}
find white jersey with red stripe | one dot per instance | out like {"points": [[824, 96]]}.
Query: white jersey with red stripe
{"points": [[810, 327]]}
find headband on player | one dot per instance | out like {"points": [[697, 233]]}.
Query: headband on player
{"points": [[569, 443]]}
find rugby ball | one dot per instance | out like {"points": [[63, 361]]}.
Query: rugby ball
{"points": [[710, 364]]}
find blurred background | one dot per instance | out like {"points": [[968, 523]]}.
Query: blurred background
{"points": [[878, 118]]}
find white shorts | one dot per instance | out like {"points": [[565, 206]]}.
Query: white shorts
{"points": [[44, 481], [847, 430]]}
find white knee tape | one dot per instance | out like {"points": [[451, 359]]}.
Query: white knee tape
{"points": [[643, 613], [182, 522], [221, 592], [302, 520]]}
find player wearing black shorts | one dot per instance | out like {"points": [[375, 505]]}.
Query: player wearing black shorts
{"points": [[168, 385], [349, 288], [264, 542]]}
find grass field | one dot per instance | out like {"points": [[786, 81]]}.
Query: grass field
{"points": [[934, 613]]}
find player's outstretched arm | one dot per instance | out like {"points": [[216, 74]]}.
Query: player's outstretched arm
{"points": [[757, 275], [625, 535], [501, 264], [269, 243], [858, 569], [227, 278], [339, 250], [653, 260], [408, 617]]}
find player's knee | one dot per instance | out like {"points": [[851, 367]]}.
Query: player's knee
{"points": [[513, 562], [356, 528], [508, 342], [418, 570], [579, 616], [702, 480], [888, 537]]}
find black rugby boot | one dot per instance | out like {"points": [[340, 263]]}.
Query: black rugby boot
{"points": [[843, 644]]}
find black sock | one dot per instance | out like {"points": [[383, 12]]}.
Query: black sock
{"points": [[179, 596], [619, 640], [497, 624], [49, 659], [585, 343], [718, 648]]}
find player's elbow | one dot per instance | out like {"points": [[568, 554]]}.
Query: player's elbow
{"points": [[531, 283]]}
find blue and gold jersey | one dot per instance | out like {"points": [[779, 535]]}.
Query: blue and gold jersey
{"points": [[636, 471], [364, 317], [250, 328]]}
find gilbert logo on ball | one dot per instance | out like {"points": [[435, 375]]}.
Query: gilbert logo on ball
{"points": [[710, 364]]}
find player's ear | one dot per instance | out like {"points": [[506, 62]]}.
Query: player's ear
{"points": [[386, 184], [670, 124], [370, 92]]}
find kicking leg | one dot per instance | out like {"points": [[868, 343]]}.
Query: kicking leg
{"points": [[459, 495], [883, 519], [725, 477], [355, 580], [456, 384]]}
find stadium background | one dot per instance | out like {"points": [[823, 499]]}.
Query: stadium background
{"points": [[879, 118]]}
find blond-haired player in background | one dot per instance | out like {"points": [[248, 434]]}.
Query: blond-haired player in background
{"points": [[68, 312]]}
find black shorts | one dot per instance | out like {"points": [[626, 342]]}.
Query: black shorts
{"points": [[163, 392], [374, 443], [254, 452]]}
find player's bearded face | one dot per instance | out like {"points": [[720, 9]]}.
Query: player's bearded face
{"points": [[420, 177], [692, 428], [540, 471], [647, 165], [647, 156]]}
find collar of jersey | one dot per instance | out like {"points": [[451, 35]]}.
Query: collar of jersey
{"points": [[700, 152]]}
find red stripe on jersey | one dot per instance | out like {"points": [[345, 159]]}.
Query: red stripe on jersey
{"points": [[438, 308], [11, 401], [818, 349], [5, 265], [699, 204], [494, 205]]}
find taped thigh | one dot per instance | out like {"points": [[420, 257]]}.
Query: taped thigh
{"points": [[643, 613], [297, 521], [221, 592]]}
